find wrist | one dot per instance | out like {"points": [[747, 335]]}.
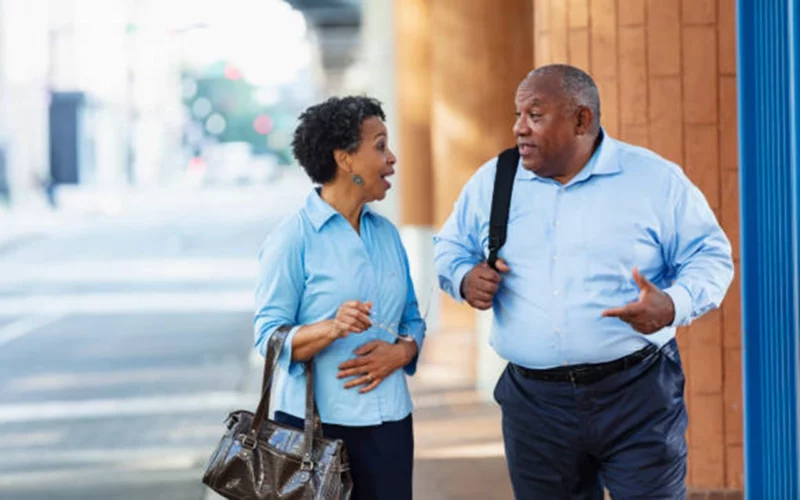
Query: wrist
{"points": [[669, 315], [333, 330], [408, 348]]}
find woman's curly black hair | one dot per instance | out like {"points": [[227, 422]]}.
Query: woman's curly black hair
{"points": [[326, 127]]}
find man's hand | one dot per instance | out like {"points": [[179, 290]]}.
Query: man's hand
{"points": [[376, 360], [481, 283], [653, 311]]}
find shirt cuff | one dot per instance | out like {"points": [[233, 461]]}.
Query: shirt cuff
{"points": [[682, 302], [458, 277], [294, 368], [419, 338]]}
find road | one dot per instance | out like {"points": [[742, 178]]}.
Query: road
{"points": [[124, 342]]}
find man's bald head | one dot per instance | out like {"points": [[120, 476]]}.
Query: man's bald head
{"points": [[578, 87]]}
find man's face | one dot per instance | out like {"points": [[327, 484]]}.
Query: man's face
{"points": [[546, 126]]}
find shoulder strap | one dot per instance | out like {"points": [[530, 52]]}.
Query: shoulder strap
{"points": [[501, 201]]}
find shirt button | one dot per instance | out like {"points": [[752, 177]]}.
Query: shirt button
{"points": [[555, 292], [555, 258]]}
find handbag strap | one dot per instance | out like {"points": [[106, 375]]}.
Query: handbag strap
{"points": [[312, 421]]}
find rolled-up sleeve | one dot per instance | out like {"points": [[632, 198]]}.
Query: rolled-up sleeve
{"points": [[457, 246], [279, 287], [699, 254], [411, 323]]}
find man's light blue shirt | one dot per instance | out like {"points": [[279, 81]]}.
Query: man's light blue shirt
{"points": [[309, 266], [572, 249]]}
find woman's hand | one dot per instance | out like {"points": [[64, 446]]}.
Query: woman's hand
{"points": [[376, 360], [352, 316]]}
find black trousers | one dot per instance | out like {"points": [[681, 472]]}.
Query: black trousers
{"points": [[626, 432], [381, 456]]}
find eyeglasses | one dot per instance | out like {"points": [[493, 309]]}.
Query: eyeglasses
{"points": [[378, 321]]}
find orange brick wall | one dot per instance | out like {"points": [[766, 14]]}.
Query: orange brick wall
{"points": [[666, 70]]}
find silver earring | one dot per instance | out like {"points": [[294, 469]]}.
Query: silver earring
{"points": [[358, 179]]}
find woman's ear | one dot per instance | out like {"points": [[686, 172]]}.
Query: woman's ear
{"points": [[342, 159]]}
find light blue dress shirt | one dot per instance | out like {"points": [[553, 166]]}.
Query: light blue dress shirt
{"points": [[572, 249], [311, 264]]}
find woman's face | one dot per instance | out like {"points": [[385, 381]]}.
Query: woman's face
{"points": [[373, 161]]}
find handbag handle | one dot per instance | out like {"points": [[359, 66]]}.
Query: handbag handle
{"points": [[312, 422]]}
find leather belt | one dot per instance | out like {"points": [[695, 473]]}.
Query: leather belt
{"points": [[586, 373]]}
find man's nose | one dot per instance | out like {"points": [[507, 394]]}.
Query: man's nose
{"points": [[521, 126]]}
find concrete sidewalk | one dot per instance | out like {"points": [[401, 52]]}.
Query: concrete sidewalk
{"points": [[458, 439]]}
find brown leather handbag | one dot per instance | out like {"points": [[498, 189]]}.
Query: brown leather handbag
{"points": [[263, 460]]}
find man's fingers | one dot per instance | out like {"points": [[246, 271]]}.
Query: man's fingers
{"points": [[642, 282], [482, 304], [501, 266], [625, 313], [615, 312], [482, 295], [487, 287], [490, 275]]}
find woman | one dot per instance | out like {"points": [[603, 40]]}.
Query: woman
{"points": [[338, 273]]}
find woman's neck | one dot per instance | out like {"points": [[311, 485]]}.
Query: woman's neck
{"points": [[344, 201]]}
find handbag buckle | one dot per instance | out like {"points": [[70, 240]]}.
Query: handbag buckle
{"points": [[307, 465], [248, 441]]}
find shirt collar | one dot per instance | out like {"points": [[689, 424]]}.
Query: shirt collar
{"points": [[604, 161], [320, 212]]}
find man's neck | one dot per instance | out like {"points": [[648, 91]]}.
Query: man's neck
{"points": [[579, 160]]}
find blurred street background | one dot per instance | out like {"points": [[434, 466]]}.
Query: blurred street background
{"points": [[144, 157]]}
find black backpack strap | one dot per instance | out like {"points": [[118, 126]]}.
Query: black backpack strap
{"points": [[501, 201]]}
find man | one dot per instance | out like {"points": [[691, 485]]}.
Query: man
{"points": [[609, 248]]}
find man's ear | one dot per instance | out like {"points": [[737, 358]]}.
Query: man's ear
{"points": [[583, 120]]}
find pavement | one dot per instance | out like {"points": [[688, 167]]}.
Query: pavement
{"points": [[125, 339]]}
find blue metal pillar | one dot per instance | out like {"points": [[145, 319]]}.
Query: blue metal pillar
{"points": [[768, 47]]}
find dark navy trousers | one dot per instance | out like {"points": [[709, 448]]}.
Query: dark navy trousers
{"points": [[625, 432], [381, 456]]}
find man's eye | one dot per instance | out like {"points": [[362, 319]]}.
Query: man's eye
{"points": [[535, 115]]}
